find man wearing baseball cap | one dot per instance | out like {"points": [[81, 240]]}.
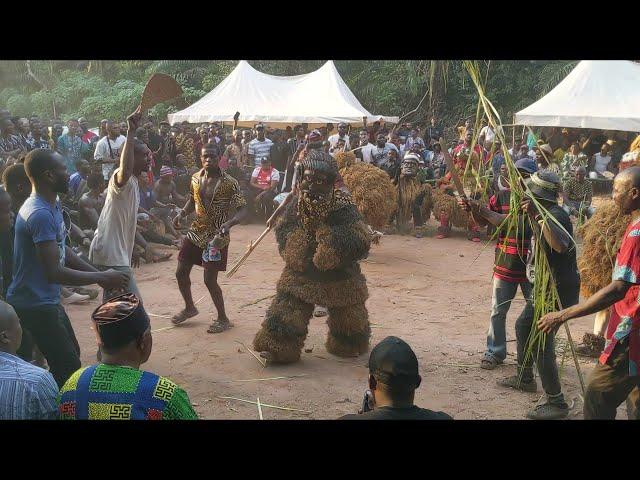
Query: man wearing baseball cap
{"points": [[393, 380], [509, 268]]}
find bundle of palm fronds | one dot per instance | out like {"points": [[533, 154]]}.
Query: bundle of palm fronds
{"points": [[371, 189], [601, 238], [545, 295]]}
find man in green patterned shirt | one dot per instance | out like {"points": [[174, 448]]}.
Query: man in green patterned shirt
{"points": [[117, 389], [577, 193]]}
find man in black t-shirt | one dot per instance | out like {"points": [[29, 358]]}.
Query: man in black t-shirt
{"points": [[393, 380]]}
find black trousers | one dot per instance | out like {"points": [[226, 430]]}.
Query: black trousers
{"points": [[49, 327]]}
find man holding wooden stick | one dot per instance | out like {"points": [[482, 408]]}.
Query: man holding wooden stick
{"points": [[213, 194]]}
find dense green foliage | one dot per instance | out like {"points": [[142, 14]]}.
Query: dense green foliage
{"points": [[111, 89]]}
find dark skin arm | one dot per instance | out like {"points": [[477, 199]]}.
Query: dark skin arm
{"points": [[189, 208], [557, 239], [237, 218], [601, 300], [76, 263], [480, 212], [48, 255], [126, 157]]}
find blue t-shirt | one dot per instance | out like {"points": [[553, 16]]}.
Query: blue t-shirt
{"points": [[74, 182], [37, 222]]}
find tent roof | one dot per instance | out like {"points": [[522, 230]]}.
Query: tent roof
{"points": [[315, 98], [602, 94]]}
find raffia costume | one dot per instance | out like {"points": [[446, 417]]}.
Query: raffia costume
{"points": [[413, 199], [321, 245]]}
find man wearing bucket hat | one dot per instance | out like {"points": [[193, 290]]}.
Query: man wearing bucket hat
{"points": [[545, 159], [551, 227]]}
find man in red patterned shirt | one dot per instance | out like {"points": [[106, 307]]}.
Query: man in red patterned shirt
{"points": [[617, 375]]}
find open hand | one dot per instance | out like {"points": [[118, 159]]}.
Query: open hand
{"points": [[550, 322]]}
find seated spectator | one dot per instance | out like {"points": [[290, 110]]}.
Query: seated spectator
{"points": [[393, 380], [600, 163], [577, 194], [91, 203], [117, 389], [77, 181], [573, 159], [264, 183], [413, 139], [27, 392], [340, 146]]}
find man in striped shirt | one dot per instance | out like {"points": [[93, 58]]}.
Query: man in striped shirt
{"points": [[27, 392], [509, 269], [259, 147]]}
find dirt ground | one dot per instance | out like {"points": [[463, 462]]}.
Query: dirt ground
{"points": [[435, 294]]}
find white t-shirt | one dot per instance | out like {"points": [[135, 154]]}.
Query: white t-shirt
{"points": [[333, 140], [103, 153], [259, 149], [601, 162], [265, 178], [366, 152], [113, 241]]}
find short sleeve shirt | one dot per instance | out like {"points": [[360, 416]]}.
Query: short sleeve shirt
{"points": [[37, 222], [264, 179], [259, 149], [625, 314]]}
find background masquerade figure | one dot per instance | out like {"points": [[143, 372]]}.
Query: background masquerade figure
{"points": [[321, 237], [413, 197]]}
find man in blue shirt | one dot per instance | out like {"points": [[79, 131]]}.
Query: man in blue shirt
{"points": [[27, 392], [42, 262]]}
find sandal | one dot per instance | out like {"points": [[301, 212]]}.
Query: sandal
{"points": [[490, 362], [183, 316], [218, 327]]}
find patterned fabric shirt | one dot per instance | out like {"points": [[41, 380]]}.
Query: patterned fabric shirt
{"points": [[578, 192], [210, 217], [570, 162], [12, 142], [112, 392], [185, 145], [72, 149], [41, 144], [625, 314], [27, 392]]}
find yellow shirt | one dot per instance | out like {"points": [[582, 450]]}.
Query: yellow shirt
{"points": [[558, 155]]}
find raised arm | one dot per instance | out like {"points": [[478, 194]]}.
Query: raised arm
{"points": [[126, 157]]}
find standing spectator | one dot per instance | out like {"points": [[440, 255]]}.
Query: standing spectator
{"points": [[601, 161], [42, 262], [341, 135], [258, 147], [23, 131], [462, 130], [366, 148], [233, 150], [112, 245], [123, 129], [27, 392], [557, 246], [615, 376], [414, 139], [108, 148], [10, 146], [577, 194], [36, 141], [167, 153], [185, 145], [486, 136], [380, 153], [393, 379], [244, 160], [202, 138], [6, 242], [438, 162], [71, 146], [87, 135], [279, 152], [56, 132], [434, 132], [154, 142], [496, 159], [117, 389], [264, 183], [573, 159]]}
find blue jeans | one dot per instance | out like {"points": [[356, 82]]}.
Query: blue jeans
{"points": [[503, 293]]}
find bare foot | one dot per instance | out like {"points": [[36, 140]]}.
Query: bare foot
{"points": [[220, 325], [184, 315]]}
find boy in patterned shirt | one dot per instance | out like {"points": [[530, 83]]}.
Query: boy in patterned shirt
{"points": [[117, 389], [616, 377]]}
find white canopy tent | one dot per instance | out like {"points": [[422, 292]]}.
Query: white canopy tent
{"points": [[315, 98], [600, 94]]}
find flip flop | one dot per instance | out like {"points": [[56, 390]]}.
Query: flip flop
{"points": [[183, 316], [218, 327]]}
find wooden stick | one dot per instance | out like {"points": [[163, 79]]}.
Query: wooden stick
{"points": [[252, 246], [259, 409], [262, 362], [257, 301], [265, 405]]}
